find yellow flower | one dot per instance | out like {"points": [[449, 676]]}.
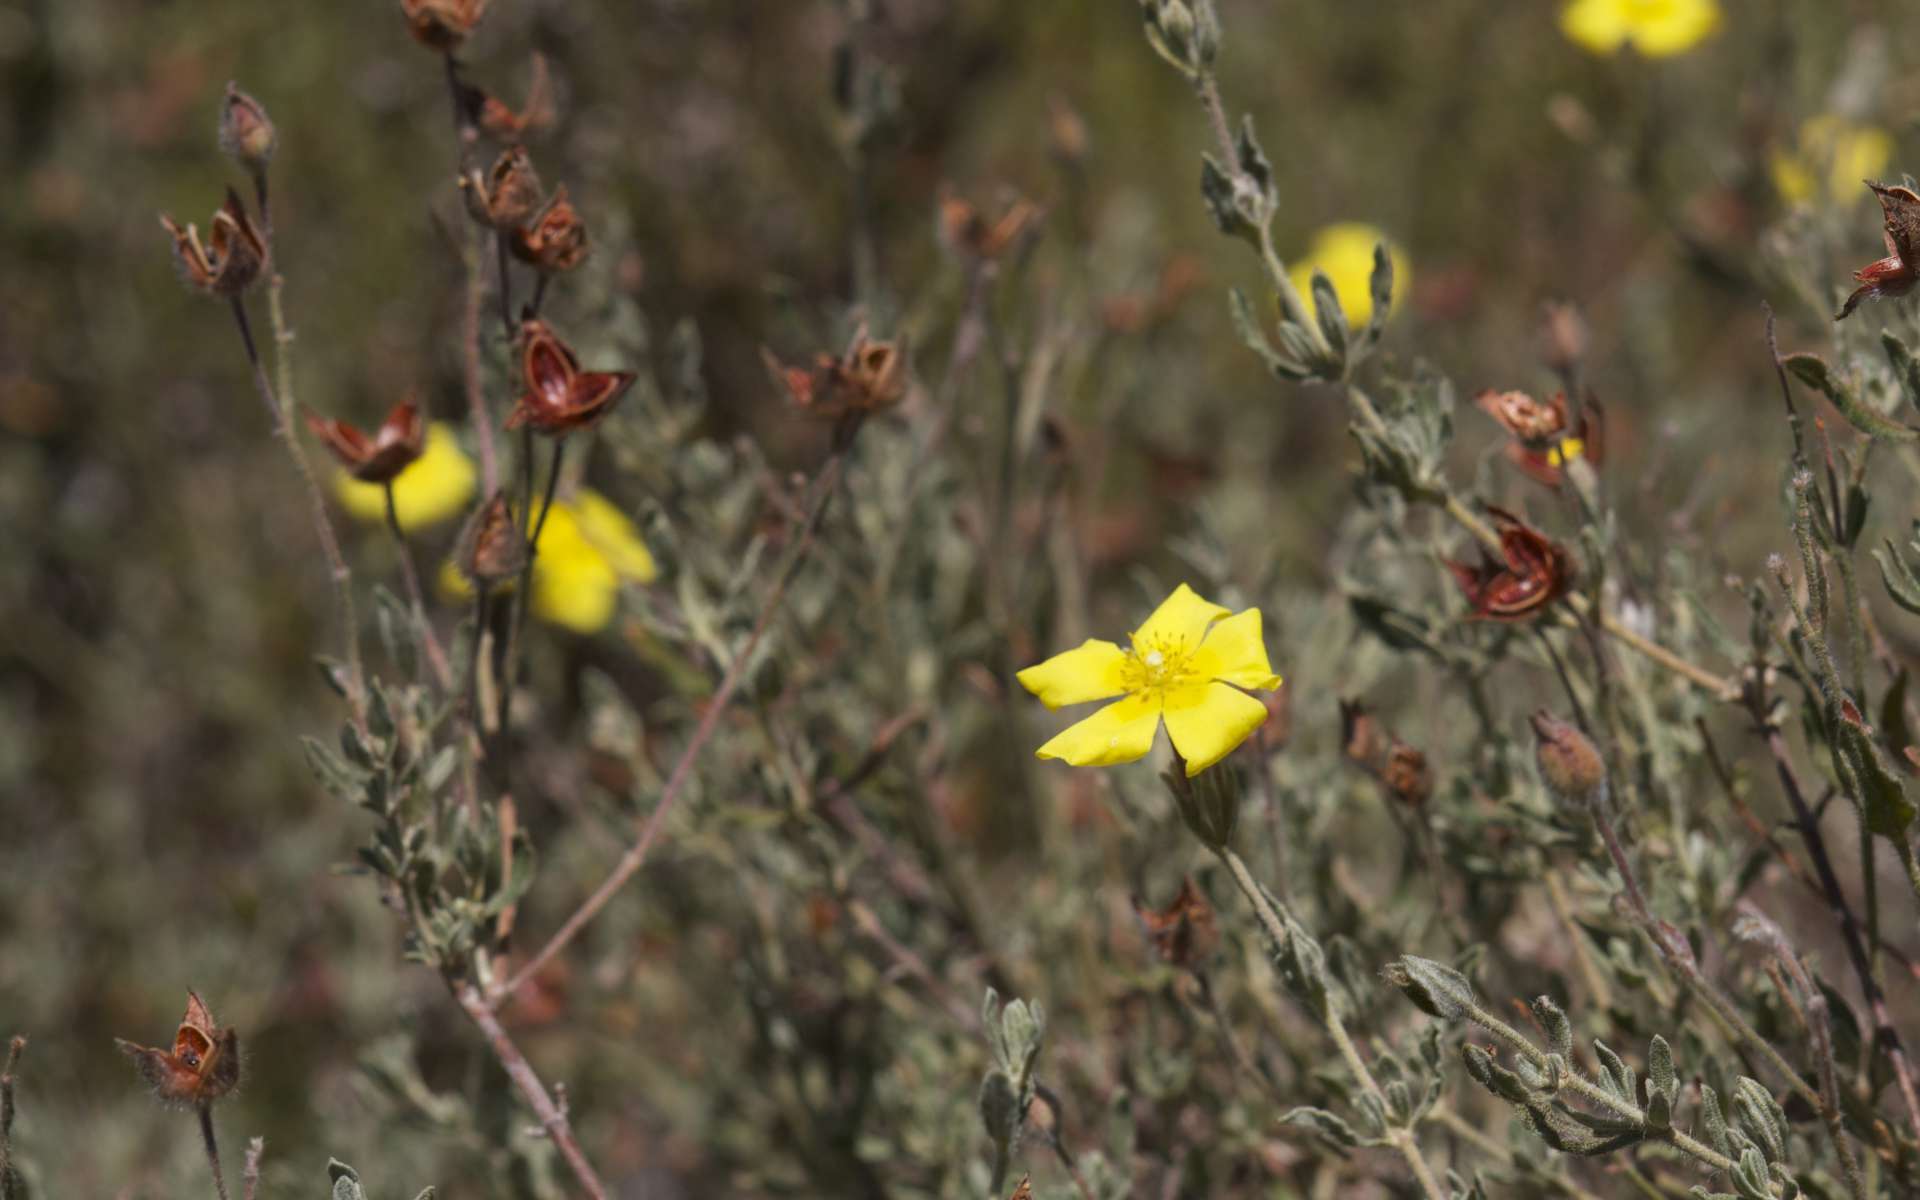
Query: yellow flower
{"points": [[1835, 150], [1345, 253], [588, 549], [1656, 28], [1187, 664], [437, 485]]}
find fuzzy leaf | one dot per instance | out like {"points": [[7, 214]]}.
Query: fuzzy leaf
{"points": [[1554, 1021], [1661, 1077], [1435, 988], [1330, 1128], [1813, 371], [1248, 328], [1332, 318]]}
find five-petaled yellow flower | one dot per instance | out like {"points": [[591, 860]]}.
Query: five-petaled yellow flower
{"points": [[1344, 252], [1830, 158], [1655, 28], [435, 487], [1187, 665]]}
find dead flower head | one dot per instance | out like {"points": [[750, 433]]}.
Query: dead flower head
{"points": [[1895, 274], [231, 258], [507, 195], [246, 132], [970, 232], [556, 241], [1543, 440], [870, 377], [1536, 571], [202, 1066], [492, 546], [442, 24], [559, 397], [1184, 933], [504, 123], [1401, 769], [379, 457]]}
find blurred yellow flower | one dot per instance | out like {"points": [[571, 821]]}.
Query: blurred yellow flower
{"points": [[1836, 151], [1188, 664], [437, 486], [1345, 253], [588, 549], [1656, 28]]}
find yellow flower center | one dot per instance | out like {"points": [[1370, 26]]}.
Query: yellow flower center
{"points": [[1153, 668]]}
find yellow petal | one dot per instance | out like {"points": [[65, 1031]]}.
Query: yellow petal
{"points": [[1235, 653], [436, 486], [575, 593], [1344, 253], [1207, 720], [1666, 27], [1179, 623], [1122, 732], [1601, 26], [615, 536], [1089, 671]]}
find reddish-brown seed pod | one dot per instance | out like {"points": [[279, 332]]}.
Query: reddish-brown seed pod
{"points": [[559, 398], [378, 457], [203, 1065]]}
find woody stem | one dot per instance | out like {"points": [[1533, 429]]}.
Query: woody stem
{"points": [[213, 1149], [436, 657]]}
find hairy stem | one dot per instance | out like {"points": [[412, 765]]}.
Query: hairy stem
{"points": [[1520, 1044], [1401, 1138], [213, 1149], [280, 407]]}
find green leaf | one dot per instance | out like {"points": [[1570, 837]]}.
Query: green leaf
{"points": [[1813, 371], [1899, 578], [1223, 202], [1661, 1077], [1332, 318], [1435, 988], [1714, 1120], [1248, 327], [1906, 370], [1380, 291], [1615, 1074], [1329, 1128], [1559, 1030]]}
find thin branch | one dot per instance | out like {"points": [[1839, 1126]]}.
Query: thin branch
{"points": [[436, 656], [8, 1178], [280, 409], [636, 855], [213, 1149], [250, 1174], [1884, 1033], [553, 1118]]}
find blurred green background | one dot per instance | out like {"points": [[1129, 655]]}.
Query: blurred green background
{"points": [[161, 595]]}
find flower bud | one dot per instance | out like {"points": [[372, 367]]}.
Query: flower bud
{"points": [[442, 24], [246, 132], [1569, 763], [492, 547]]}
